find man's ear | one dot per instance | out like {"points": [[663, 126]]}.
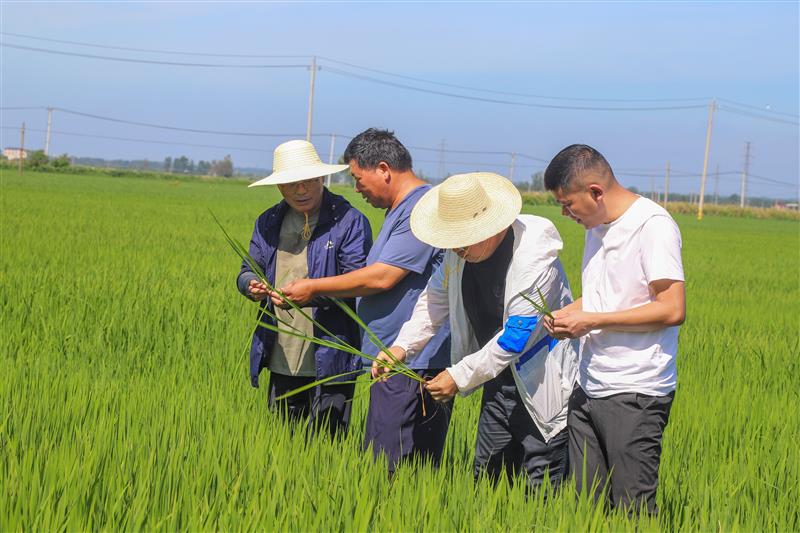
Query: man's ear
{"points": [[596, 191], [385, 170]]}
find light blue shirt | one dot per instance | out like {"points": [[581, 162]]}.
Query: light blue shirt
{"points": [[386, 312]]}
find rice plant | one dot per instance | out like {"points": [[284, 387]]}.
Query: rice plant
{"points": [[393, 365], [126, 404]]}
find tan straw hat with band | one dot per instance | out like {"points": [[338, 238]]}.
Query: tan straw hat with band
{"points": [[296, 161], [465, 209]]}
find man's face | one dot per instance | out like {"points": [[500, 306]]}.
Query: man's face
{"points": [[303, 196], [474, 253], [583, 203], [372, 184]]}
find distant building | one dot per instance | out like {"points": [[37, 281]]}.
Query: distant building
{"points": [[786, 205], [15, 153]]}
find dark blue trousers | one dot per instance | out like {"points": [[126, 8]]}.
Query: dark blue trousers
{"points": [[404, 421], [324, 407]]}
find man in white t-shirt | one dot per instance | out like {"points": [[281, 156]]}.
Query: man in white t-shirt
{"points": [[627, 319]]}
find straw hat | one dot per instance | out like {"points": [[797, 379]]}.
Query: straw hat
{"points": [[296, 161], [465, 209]]}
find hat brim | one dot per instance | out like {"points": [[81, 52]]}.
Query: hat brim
{"points": [[430, 227], [299, 174]]}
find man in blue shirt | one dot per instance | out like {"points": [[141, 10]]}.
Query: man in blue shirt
{"points": [[403, 420]]}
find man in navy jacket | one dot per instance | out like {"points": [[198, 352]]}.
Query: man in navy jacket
{"points": [[311, 233]]}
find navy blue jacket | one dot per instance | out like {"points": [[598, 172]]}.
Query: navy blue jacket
{"points": [[340, 243]]}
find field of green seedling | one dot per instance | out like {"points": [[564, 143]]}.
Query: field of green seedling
{"points": [[125, 400]]}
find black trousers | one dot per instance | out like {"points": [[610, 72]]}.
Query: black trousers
{"points": [[509, 440], [616, 440], [325, 407], [404, 421]]}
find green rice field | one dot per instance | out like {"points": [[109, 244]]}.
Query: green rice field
{"points": [[125, 402]]}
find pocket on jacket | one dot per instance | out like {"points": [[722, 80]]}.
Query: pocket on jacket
{"points": [[517, 332]]}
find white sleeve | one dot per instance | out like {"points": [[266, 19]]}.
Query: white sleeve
{"points": [[660, 242], [430, 312], [487, 363]]}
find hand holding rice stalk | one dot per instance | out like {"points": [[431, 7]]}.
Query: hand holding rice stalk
{"points": [[393, 365], [540, 306]]}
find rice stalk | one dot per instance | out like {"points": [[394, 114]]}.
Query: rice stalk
{"points": [[394, 365], [540, 306]]}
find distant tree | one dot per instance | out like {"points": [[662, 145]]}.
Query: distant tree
{"points": [[36, 159], [61, 161], [168, 164], [537, 181], [203, 167], [222, 168], [180, 165]]}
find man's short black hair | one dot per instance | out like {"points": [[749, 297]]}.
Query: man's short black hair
{"points": [[372, 146], [570, 163]]}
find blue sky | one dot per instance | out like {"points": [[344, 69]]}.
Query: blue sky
{"points": [[745, 52]]}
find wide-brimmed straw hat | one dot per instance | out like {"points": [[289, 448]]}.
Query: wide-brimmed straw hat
{"points": [[296, 161], [465, 209]]}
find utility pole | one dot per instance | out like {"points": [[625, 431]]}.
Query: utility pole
{"points": [[49, 130], [311, 97], [666, 187], [330, 158], [716, 185], [742, 199], [441, 161], [652, 187], [511, 167], [711, 107], [21, 146]]}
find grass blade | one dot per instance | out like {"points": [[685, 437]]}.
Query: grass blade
{"points": [[313, 384]]}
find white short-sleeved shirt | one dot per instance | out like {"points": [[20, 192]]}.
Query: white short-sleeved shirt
{"points": [[620, 260]]}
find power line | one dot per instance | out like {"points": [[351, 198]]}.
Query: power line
{"points": [[481, 152], [755, 115], [526, 156], [623, 172], [505, 102], [20, 108], [154, 51], [148, 61], [727, 173], [470, 163], [473, 163], [176, 128], [507, 93], [352, 65], [358, 76], [771, 180], [258, 134], [657, 171], [151, 141], [387, 73], [761, 109]]}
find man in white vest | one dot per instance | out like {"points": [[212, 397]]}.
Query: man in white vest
{"points": [[497, 267], [627, 320]]}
